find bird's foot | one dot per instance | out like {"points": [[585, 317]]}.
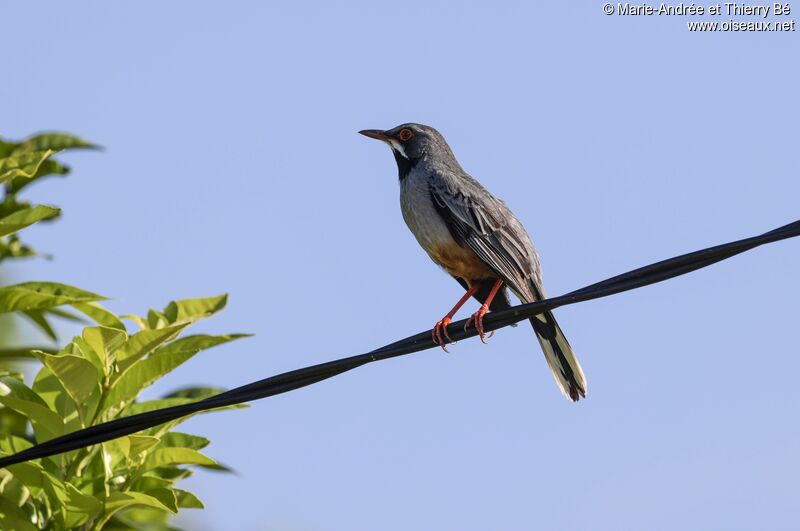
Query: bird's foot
{"points": [[477, 318], [439, 333]]}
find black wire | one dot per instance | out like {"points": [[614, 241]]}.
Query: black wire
{"points": [[296, 379]]}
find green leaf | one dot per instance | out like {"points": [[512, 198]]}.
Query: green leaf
{"points": [[6, 148], [149, 481], [142, 519], [78, 376], [184, 440], [23, 165], [219, 467], [26, 217], [141, 443], [53, 140], [79, 347], [27, 152], [104, 342], [142, 343], [174, 473], [187, 500], [48, 167], [99, 315], [52, 392], [176, 456], [195, 392], [117, 501], [156, 319], [19, 397], [145, 372], [194, 309], [77, 502], [41, 295], [165, 496]]}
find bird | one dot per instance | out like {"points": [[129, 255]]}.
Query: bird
{"points": [[476, 239]]}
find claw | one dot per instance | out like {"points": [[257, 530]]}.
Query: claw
{"points": [[441, 326], [438, 329], [477, 318]]}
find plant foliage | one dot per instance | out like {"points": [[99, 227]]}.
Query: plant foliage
{"points": [[21, 164], [128, 483]]}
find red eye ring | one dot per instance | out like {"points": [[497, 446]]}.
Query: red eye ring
{"points": [[405, 134]]}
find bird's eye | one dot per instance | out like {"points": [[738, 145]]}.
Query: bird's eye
{"points": [[405, 134]]}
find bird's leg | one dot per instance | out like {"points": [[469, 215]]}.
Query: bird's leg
{"points": [[477, 317], [441, 325]]}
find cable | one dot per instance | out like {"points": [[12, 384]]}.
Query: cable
{"points": [[289, 381]]}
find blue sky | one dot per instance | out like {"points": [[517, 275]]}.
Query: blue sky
{"points": [[233, 165]]}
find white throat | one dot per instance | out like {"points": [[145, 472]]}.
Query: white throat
{"points": [[396, 146]]}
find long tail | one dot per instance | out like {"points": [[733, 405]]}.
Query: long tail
{"points": [[559, 356]]}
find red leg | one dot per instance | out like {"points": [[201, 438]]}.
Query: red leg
{"points": [[477, 317], [441, 326]]}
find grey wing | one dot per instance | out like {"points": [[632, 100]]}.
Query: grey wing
{"points": [[481, 222]]}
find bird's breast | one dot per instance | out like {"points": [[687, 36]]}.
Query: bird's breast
{"points": [[432, 232], [420, 214]]}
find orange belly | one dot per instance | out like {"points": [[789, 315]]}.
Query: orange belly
{"points": [[461, 262]]}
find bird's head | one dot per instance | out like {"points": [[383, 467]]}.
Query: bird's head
{"points": [[411, 143]]}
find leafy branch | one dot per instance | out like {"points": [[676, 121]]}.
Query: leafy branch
{"points": [[22, 164], [97, 377]]}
